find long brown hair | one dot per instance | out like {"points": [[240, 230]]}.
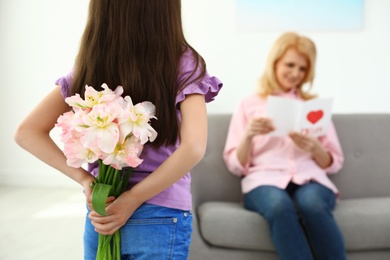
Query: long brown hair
{"points": [[304, 46], [137, 44]]}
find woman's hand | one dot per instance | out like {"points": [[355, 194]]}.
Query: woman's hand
{"points": [[256, 126], [305, 142], [259, 126], [313, 146]]}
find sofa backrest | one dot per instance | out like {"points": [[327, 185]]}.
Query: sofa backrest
{"points": [[366, 145], [210, 178], [366, 171]]}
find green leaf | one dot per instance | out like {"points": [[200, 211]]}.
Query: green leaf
{"points": [[100, 194]]}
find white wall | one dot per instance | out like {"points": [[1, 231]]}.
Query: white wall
{"points": [[348, 62], [39, 39]]}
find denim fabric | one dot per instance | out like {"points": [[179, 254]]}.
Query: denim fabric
{"points": [[300, 219], [152, 233]]}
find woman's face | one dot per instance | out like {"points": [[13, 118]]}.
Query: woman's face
{"points": [[291, 69]]}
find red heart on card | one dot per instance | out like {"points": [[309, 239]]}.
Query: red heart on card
{"points": [[314, 116]]}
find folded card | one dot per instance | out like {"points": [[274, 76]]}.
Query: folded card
{"points": [[310, 117]]}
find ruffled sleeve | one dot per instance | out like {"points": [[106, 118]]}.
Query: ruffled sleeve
{"points": [[209, 86], [65, 83]]}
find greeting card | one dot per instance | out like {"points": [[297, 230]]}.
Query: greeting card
{"points": [[310, 117]]}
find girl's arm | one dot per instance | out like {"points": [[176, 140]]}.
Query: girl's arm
{"points": [[193, 137], [33, 135]]}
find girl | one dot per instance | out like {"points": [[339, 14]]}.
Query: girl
{"points": [[284, 179], [139, 45]]}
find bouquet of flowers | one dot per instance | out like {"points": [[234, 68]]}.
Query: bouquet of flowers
{"points": [[108, 128]]}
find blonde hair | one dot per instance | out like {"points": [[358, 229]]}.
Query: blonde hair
{"points": [[304, 46]]}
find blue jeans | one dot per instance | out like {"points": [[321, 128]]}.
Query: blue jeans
{"points": [[300, 219], [152, 233]]}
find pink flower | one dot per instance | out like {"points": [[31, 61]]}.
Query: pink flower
{"points": [[125, 154], [65, 123], [136, 120], [93, 97], [101, 128], [106, 126], [77, 154]]}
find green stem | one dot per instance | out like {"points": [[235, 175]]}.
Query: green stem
{"points": [[109, 175], [102, 172], [110, 182], [117, 245], [116, 180]]}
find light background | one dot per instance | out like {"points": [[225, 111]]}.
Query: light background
{"points": [[315, 15], [39, 40]]}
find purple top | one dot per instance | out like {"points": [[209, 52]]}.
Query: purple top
{"points": [[178, 195]]}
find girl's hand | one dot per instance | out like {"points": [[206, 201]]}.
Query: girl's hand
{"points": [[259, 126], [87, 185], [304, 142], [88, 196], [118, 212], [88, 188]]}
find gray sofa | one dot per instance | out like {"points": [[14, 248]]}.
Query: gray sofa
{"points": [[224, 230]]}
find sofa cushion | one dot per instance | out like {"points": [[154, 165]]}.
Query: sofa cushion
{"points": [[228, 224], [365, 223]]}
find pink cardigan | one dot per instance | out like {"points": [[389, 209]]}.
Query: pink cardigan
{"points": [[276, 160]]}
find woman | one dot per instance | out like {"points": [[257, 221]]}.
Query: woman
{"points": [[284, 178]]}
